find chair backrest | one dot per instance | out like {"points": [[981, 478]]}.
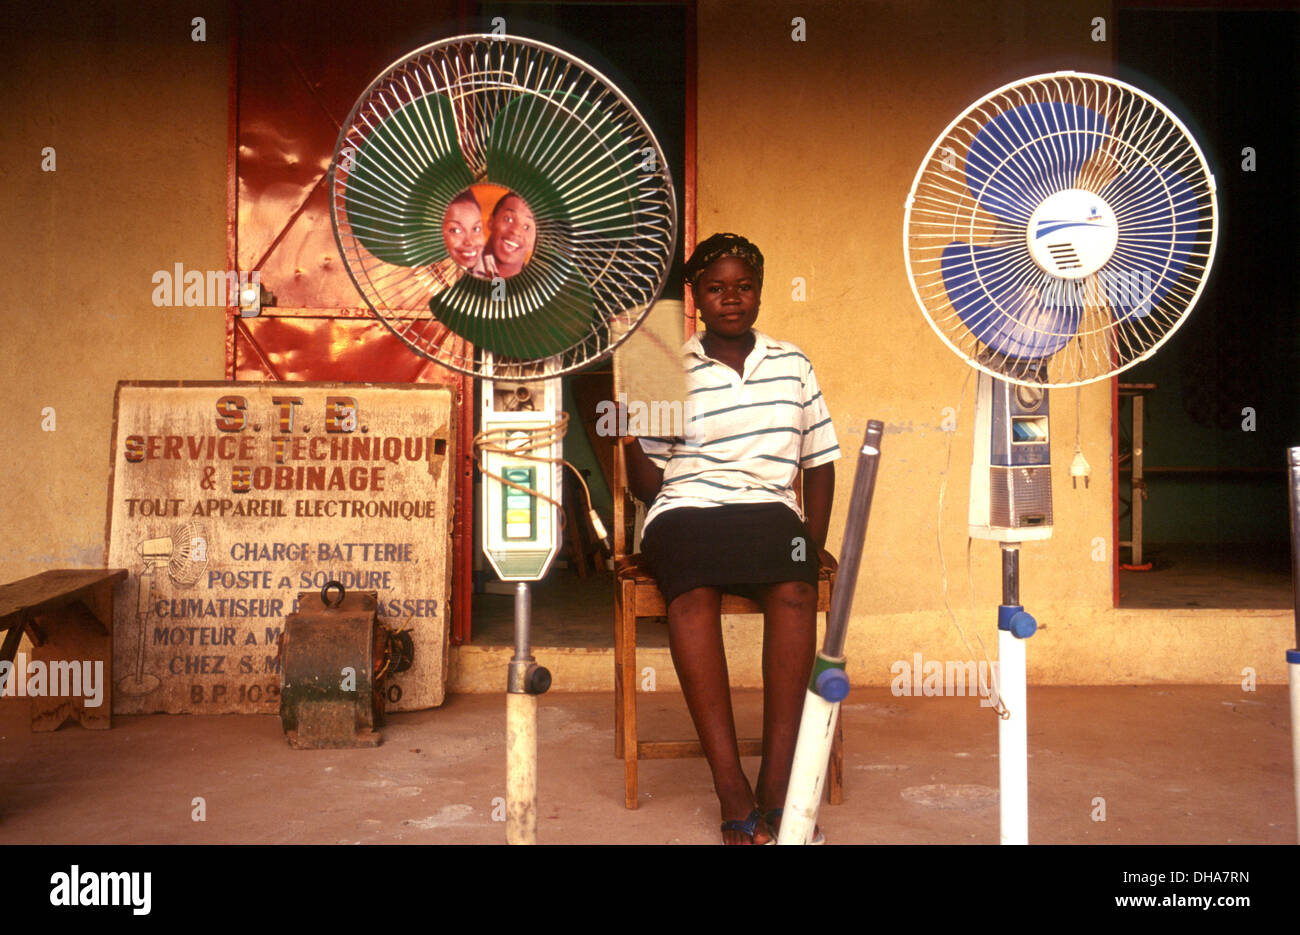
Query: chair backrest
{"points": [[624, 506]]}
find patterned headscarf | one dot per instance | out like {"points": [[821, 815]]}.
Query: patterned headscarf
{"points": [[720, 245]]}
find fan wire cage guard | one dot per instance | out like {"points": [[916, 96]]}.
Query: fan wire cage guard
{"points": [[536, 122], [185, 566], [981, 198]]}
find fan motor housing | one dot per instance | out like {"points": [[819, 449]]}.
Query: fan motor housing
{"points": [[1011, 474], [1072, 234]]}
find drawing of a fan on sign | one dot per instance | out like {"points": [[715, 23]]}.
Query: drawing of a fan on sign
{"points": [[184, 555]]}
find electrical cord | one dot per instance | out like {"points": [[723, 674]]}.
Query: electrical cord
{"points": [[521, 442], [1000, 708]]}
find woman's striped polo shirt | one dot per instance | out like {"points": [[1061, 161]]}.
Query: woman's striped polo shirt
{"points": [[747, 435]]}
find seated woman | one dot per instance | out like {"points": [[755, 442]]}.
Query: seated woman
{"points": [[724, 518]]}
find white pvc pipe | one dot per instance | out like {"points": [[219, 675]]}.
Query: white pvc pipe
{"points": [[1294, 669], [808, 774], [521, 768], [1013, 741]]}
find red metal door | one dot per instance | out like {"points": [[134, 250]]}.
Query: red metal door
{"points": [[295, 73]]}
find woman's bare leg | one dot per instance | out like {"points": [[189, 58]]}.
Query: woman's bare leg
{"points": [[789, 647], [695, 638]]}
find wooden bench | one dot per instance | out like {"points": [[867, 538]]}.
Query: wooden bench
{"points": [[68, 614]]}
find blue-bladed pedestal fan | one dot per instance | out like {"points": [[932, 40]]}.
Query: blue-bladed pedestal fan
{"points": [[1058, 232]]}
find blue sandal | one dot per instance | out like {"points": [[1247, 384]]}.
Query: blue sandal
{"points": [[747, 827], [773, 820]]}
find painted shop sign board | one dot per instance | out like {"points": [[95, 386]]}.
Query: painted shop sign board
{"points": [[227, 500]]}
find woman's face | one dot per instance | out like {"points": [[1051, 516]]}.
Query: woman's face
{"points": [[462, 232], [726, 295], [514, 232]]}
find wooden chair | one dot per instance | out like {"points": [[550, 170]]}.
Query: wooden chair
{"points": [[635, 596]]}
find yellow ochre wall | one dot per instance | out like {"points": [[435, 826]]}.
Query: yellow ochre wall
{"points": [[807, 147], [810, 148], [136, 112]]}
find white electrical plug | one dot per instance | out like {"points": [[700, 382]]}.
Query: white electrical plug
{"points": [[1079, 467], [601, 534]]}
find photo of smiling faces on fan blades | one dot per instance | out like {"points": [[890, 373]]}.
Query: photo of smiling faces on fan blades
{"points": [[503, 246]]}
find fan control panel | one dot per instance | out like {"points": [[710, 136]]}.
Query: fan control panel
{"points": [[519, 509], [1011, 476], [519, 452], [1018, 427]]}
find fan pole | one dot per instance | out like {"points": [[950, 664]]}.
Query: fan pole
{"points": [[1293, 655], [1014, 627], [525, 681], [521, 453], [829, 684]]}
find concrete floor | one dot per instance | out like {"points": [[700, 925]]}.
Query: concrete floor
{"points": [[1237, 576], [1174, 765]]}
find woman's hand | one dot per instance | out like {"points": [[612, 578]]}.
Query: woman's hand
{"points": [[827, 560], [818, 495]]}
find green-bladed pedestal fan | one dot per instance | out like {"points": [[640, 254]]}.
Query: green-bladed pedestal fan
{"points": [[1057, 233], [505, 210]]}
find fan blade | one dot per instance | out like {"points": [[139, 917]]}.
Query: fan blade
{"points": [[1006, 309], [1159, 221], [404, 175], [569, 161], [1029, 152], [544, 310]]}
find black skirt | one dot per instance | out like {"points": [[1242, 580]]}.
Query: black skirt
{"points": [[734, 547]]}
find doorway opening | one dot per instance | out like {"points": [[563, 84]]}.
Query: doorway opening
{"points": [[645, 50], [1205, 523]]}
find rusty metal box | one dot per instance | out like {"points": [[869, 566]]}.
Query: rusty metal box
{"points": [[329, 657]]}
